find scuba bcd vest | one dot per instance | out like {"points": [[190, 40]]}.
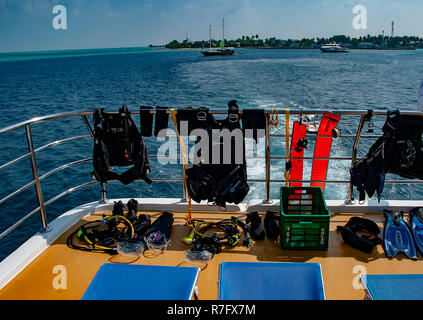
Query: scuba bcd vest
{"points": [[117, 142], [220, 175], [398, 151]]}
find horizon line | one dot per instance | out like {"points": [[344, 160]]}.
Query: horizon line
{"points": [[73, 49]]}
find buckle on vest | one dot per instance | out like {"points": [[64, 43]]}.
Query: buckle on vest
{"points": [[201, 116], [232, 117]]}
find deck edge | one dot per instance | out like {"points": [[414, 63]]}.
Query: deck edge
{"points": [[19, 259]]}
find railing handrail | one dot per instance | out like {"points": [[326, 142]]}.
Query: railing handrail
{"points": [[282, 111], [31, 154], [41, 119]]}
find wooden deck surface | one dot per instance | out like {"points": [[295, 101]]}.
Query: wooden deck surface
{"points": [[341, 265]]}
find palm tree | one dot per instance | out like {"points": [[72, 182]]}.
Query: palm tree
{"points": [[257, 36]]}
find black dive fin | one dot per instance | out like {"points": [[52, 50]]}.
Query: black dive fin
{"points": [[254, 120]]}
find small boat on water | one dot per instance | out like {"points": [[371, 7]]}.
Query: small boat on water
{"points": [[218, 52], [222, 51], [334, 47]]}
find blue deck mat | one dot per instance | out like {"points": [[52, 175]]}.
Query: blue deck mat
{"points": [[115, 281], [270, 281], [394, 287]]}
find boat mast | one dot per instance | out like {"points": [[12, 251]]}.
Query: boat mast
{"points": [[223, 33], [210, 35]]}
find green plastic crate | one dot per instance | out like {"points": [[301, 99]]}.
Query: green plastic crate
{"points": [[305, 219]]}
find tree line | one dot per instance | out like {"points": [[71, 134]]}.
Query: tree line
{"points": [[255, 41]]}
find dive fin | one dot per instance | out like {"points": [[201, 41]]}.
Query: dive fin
{"points": [[397, 236], [322, 149], [416, 225], [255, 120], [298, 144]]}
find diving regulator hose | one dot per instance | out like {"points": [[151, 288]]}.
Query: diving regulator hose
{"points": [[232, 231]]}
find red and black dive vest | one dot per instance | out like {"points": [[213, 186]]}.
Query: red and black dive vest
{"points": [[399, 151], [117, 142]]}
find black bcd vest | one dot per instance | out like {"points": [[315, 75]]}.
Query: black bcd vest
{"points": [[399, 151], [217, 180], [117, 142]]}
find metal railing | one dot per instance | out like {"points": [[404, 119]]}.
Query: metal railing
{"points": [[42, 204]]}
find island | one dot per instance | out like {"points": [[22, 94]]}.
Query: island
{"points": [[380, 42]]}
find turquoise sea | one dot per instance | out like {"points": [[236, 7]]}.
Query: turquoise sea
{"points": [[40, 83]]}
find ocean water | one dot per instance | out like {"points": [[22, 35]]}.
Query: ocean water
{"points": [[40, 83]]}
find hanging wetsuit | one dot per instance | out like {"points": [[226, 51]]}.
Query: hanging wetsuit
{"points": [[420, 97], [398, 151], [117, 142], [217, 178]]}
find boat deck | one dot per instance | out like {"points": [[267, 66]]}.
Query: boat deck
{"points": [[341, 264]]}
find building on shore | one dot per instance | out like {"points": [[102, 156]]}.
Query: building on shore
{"points": [[365, 45]]}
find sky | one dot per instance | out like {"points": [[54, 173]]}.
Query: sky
{"points": [[26, 25]]}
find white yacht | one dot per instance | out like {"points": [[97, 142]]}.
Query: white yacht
{"points": [[333, 47]]}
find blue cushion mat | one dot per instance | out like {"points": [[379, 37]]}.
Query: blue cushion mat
{"points": [[142, 282], [394, 287], [270, 281]]}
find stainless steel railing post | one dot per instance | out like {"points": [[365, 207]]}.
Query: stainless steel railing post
{"points": [[87, 123], [354, 152], [103, 184], [43, 215], [267, 200]]}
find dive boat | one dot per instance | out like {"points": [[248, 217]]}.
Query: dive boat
{"points": [[333, 47], [218, 51], [50, 263]]}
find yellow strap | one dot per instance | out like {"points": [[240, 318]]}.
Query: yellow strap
{"points": [[96, 246], [185, 165], [287, 175], [181, 141], [126, 220]]}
